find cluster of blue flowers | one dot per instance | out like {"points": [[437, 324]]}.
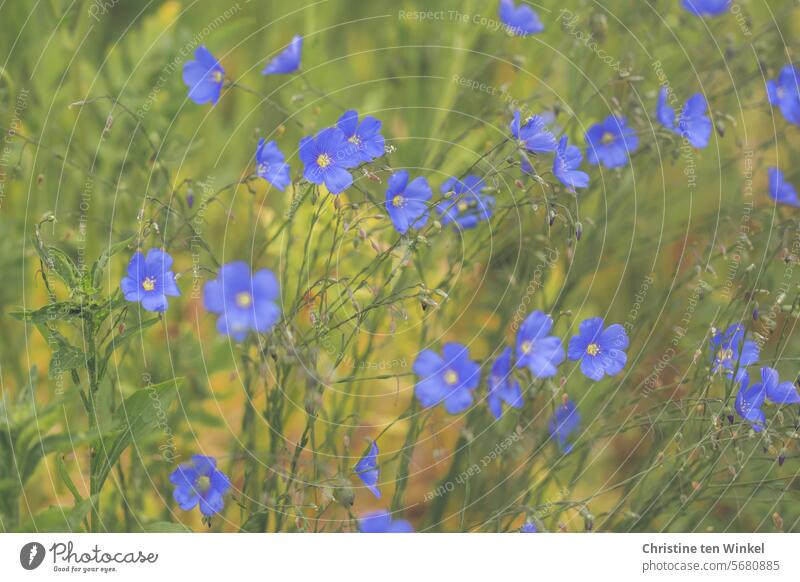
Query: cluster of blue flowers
{"points": [[732, 353], [246, 302]]}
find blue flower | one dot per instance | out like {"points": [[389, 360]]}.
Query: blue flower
{"points": [[204, 77], [150, 280], [610, 142], [520, 20], [326, 158], [749, 400], [777, 391], [707, 7], [381, 522], [538, 351], [726, 347], [365, 137], [465, 205], [785, 93], [533, 135], [502, 387], [563, 423], [199, 481], [693, 125], [242, 300], [367, 469], [529, 527], [288, 60], [450, 379], [782, 191], [407, 202], [565, 166], [270, 164], [601, 351]]}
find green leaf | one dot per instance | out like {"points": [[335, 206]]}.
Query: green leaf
{"points": [[67, 480], [134, 420], [100, 264], [58, 518], [256, 523], [63, 310]]}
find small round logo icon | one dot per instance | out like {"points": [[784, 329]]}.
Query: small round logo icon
{"points": [[31, 555]]}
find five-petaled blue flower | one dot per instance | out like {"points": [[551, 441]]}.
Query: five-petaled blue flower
{"points": [[601, 351], [726, 347], [450, 378], [367, 469], [407, 202], [502, 386], [538, 351], [326, 158], [782, 191], [381, 522], [200, 482], [707, 7], [150, 280], [533, 134], [243, 301], [563, 423], [785, 93], [693, 125], [271, 164], [204, 76], [565, 166], [520, 20], [776, 391], [465, 205], [364, 136], [288, 60], [748, 402], [611, 142]]}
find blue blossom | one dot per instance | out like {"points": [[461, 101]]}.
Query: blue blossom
{"points": [[466, 206], [200, 482], [243, 301], [529, 527], [533, 134], [502, 386], [693, 125], [610, 142], [785, 93], [367, 469], [407, 202], [782, 191], [326, 158], [204, 76], [707, 7], [538, 351], [525, 165], [749, 400], [270, 164], [381, 522], [563, 423], [777, 391], [520, 20], [288, 60], [726, 347], [450, 378], [150, 280], [365, 136], [565, 166], [601, 351]]}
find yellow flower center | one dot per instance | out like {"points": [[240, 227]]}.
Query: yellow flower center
{"points": [[398, 201], [203, 484], [323, 160], [217, 76], [592, 349], [450, 377], [725, 354], [354, 139], [607, 138], [149, 283], [462, 206], [244, 299], [526, 347]]}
